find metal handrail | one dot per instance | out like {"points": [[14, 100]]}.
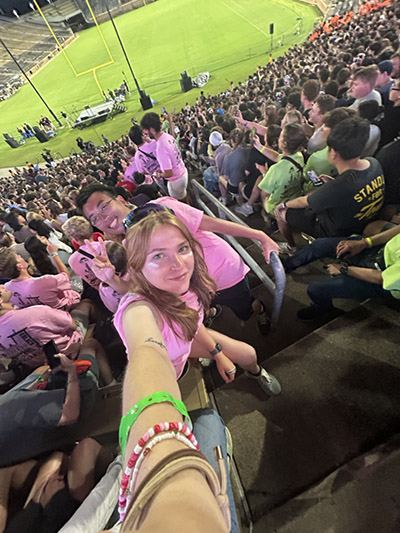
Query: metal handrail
{"points": [[276, 287]]}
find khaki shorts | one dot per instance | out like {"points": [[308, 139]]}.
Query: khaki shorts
{"points": [[177, 188]]}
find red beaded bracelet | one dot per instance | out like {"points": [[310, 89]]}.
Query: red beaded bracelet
{"points": [[180, 431]]}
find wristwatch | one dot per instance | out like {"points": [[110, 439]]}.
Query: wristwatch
{"points": [[217, 349], [344, 269]]}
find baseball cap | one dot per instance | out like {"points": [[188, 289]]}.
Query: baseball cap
{"points": [[215, 138], [386, 66]]}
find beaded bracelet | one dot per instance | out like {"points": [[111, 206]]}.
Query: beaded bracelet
{"points": [[126, 482], [131, 416]]}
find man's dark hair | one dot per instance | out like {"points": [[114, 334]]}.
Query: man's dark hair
{"points": [[334, 117], [343, 75], [311, 90], [349, 137], [294, 99], [151, 120], [325, 102], [135, 135], [87, 192]]}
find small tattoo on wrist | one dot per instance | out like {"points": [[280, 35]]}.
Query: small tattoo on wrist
{"points": [[159, 343]]}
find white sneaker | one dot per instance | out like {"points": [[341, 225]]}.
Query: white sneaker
{"points": [[284, 248], [267, 382], [245, 209]]}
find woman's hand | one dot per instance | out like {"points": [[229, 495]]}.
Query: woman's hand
{"points": [[224, 365], [268, 246], [52, 248], [102, 267]]}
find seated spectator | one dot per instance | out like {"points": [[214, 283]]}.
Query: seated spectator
{"points": [[8, 241], [390, 125], [40, 228], [52, 290], [322, 105], [318, 161], [146, 185], [384, 81], [283, 181], [345, 205], [249, 189], [42, 262], [389, 158], [33, 413], [219, 151], [372, 275], [170, 290], [233, 166], [309, 93], [362, 86], [24, 332], [18, 224], [80, 230], [370, 111]]}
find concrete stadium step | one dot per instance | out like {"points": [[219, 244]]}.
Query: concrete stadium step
{"points": [[362, 497], [340, 397]]}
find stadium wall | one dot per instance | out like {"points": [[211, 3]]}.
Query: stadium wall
{"points": [[117, 7], [320, 4]]}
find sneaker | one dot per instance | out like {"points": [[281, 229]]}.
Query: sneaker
{"points": [[269, 384], [245, 209], [205, 362], [263, 322], [315, 311], [223, 200], [284, 248]]}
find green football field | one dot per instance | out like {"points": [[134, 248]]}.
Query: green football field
{"points": [[228, 38]]}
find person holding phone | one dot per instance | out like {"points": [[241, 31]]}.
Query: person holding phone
{"points": [[171, 287]]}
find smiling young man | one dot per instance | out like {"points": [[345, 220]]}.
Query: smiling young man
{"points": [[109, 212]]}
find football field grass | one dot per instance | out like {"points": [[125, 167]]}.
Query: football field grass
{"points": [[228, 38]]}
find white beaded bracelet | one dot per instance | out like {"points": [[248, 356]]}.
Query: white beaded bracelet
{"points": [[146, 451]]}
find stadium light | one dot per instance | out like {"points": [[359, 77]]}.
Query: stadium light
{"points": [[145, 100], [29, 81]]}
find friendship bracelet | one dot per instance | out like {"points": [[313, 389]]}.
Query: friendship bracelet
{"points": [[131, 416], [368, 242], [146, 451], [126, 483]]}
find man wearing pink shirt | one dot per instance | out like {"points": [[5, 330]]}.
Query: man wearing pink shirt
{"points": [[168, 155]]}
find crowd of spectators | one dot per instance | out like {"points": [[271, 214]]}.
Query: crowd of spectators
{"points": [[106, 247]]}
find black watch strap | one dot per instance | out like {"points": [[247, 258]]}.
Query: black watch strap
{"points": [[217, 349]]}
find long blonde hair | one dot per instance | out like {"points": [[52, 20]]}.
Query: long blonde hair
{"points": [[171, 307]]}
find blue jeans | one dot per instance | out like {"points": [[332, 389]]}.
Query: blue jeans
{"points": [[210, 178], [323, 291], [316, 250], [209, 430]]}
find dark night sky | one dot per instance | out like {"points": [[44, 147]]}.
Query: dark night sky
{"points": [[22, 6]]}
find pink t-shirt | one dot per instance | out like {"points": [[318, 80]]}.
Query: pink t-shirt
{"points": [[130, 170], [81, 265], [178, 349], [169, 156], [23, 332], [54, 291], [109, 297], [224, 264], [147, 164]]}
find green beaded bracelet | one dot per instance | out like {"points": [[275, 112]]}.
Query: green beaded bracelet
{"points": [[129, 419]]}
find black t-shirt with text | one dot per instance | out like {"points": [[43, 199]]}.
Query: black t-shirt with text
{"points": [[348, 203]]}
